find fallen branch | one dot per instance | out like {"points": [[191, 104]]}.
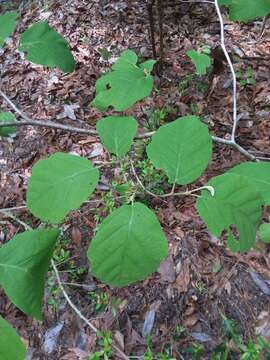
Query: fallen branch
{"points": [[54, 125], [49, 124]]}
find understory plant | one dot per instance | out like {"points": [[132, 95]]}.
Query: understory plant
{"points": [[129, 243]]}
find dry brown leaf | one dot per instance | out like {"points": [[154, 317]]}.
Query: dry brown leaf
{"points": [[119, 337], [167, 270], [191, 320], [75, 353], [179, 232], [263, 325], [228, 287], [76, 235], [183, 279]]}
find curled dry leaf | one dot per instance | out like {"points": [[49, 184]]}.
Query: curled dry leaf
{"points": [[167, 270], [76, 235], [183, 278]]}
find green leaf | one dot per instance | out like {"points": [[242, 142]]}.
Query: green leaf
{"points": [[8, 25], [264, 232], [246, 10], [7, 116], [11, 346], [128, 246], [24, 262], [236, 202], [116, 133], [182, 149], [126, 84], [201, 61], [225, 2], [44, 46], [258, 173], [59, 184]]}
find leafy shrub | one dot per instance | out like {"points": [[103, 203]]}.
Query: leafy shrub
{"points": [[130, 243]]}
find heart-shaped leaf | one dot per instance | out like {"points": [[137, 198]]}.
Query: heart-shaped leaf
{"points": [[245, 10], [117, 133], [59, 184], [128, 246], [44, 46], [236, 202], [258, 173], [182, 149], [7, 116], [11, 346], [126, 84], [24, 262], [7, 25], [201, 61]]}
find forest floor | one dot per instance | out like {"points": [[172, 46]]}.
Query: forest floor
{"points": [[201, 279]]}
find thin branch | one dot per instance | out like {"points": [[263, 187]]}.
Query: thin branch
{"points": [[6, 213], [263, 27], [244, 152], [73, 306], [171, 193], [78, 312], [140, 183], [48, 124], [13, 106], [236, 146], [51, 124], [32, 122], [223, 46], [15, 208]]}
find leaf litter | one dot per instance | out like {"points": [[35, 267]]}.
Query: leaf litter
{"points": [[48, 94]]}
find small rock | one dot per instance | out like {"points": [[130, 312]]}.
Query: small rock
{"points": [[260, 282], [200, 336], [51, 338], [148, 323]]}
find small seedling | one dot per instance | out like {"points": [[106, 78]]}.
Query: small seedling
{"points": [[100, 299], [184, 84], [156, 118], [54, 294], [233, 346], [201, 61], [246, 77], [152, 178], [105, 343], [194, 109], [115, 304], [179, 331], [216, 267], [195, 350], [105, 53], [200, 286]]}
